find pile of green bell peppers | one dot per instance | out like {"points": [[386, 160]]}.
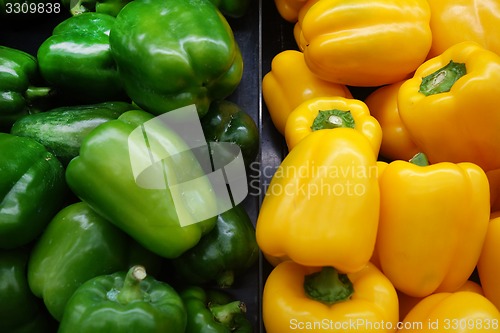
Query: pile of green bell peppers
{"points": [[87, 244]]}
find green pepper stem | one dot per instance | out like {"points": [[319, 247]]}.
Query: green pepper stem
{"points": [[329, 119], [419, 159], [131, 289], [443, 79], [226, 313], [33, 93], [328, 286]]}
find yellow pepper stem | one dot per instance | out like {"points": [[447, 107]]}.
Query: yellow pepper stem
{"points": [[328, 286], [419, 159], [333, 119], [443, 79]]}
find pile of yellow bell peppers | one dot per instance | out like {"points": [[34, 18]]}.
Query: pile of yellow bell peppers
{"points": [[383, 208]]}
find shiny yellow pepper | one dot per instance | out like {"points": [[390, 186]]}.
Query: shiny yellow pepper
{"points": [[289, 83], [305, 299], [322, 205], [450, 106], [433, 222], [488, 266], [383, 105], [364, 42], [332, 113], [459, 312], [455, 21], [289, 9]]}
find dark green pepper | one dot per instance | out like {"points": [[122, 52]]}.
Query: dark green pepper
{"points": [[232, 8], [175, 53], [123, 172], [76, 246], [20, 310], [124, 302], [62, 130], [32, 189], [228, 122], [212, 311], [77, 59], [20, 92], [224, 253]]}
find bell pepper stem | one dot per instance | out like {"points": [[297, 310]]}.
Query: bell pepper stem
{"points": [[443, 79], [225, 313], [328, 286], [131, 289], [419, 159], [329, 119], [33, 93]]}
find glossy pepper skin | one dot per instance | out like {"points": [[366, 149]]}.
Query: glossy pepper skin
{"points": [[351, 303], [76, 246], [20, 310], [458, 312], [163, 49], [331, 113], [443, 206], [19, 86], [364, 43], [213, 311], [289, 9], [323, 201], [488, 266], [228, 122], [109, 7], [77, 60], [396, 142], [32, 189], [145, 210], [446, 96], [124, 302], [61, 130], [282, 92], [223, 254], [454, 22]]}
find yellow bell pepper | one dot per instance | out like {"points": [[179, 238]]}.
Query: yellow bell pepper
{"points": [[406, 303], [322, 205], [364, 301], [433, 221], [455, 21], [459, 312], [450, 106], [331, 113], [289, 9], [488, 266], [364, 42], [289, 83], [383, 105]]}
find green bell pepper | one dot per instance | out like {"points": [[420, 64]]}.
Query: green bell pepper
{"points": [[175, 53], [232, 8], [20, 92], [228, 122], [212, 311], [77, 60], [124, 302], [227, 251], [32, 189], [109, 7], [20, 310], [76, 246], [160, 209], [62, 130]]}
